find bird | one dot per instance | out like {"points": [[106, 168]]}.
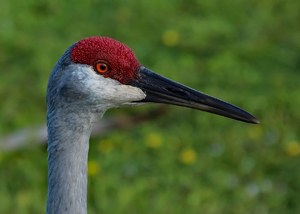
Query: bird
{"points": [[93, 75]]}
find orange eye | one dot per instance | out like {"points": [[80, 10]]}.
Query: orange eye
{"points": [[101, 67]]}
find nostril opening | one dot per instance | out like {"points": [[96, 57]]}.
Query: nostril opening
{"points": [[175, 91]]}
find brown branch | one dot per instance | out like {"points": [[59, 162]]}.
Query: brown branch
{"points": [[37, 135]]}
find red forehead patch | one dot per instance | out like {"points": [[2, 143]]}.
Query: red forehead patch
{"points": [[120, 57]]}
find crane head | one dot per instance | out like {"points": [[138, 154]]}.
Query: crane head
{"points": [[108, 57], [100, 73]]}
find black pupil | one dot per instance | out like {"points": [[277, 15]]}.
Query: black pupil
{"points": [[103, 67]]}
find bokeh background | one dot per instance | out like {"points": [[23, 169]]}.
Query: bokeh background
{"points": [[244, 52]]}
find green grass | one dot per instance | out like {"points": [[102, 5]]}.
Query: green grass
{"points": [[244, 52]]}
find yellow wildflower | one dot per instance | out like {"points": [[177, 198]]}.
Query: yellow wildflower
{"points": [[153, 141], [293, 148], [93, 168], [105, 146], [188, 156], [170, 38]]}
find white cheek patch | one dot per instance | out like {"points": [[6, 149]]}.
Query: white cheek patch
{"points": [[80, 75], [126, 93], [118, 93], [107, 93]]}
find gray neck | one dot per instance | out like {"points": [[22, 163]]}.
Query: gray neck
{"points": [[68, 145]]}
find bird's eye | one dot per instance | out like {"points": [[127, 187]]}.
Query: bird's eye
{"points": [[101, 67]]}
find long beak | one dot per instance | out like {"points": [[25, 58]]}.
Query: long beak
{"points": [[159, 89]]}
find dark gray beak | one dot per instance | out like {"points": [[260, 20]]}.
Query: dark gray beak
{"points": [[159, 89]]}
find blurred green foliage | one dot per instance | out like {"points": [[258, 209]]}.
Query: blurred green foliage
{"points": [[244, 52]]}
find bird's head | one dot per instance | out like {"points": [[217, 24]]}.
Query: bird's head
{"points": [[99, 73]]}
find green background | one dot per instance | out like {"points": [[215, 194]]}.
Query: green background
{"points": [[244, 52]]}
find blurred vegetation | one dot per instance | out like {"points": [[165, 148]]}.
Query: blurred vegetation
{"points": [[244, 52]]}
